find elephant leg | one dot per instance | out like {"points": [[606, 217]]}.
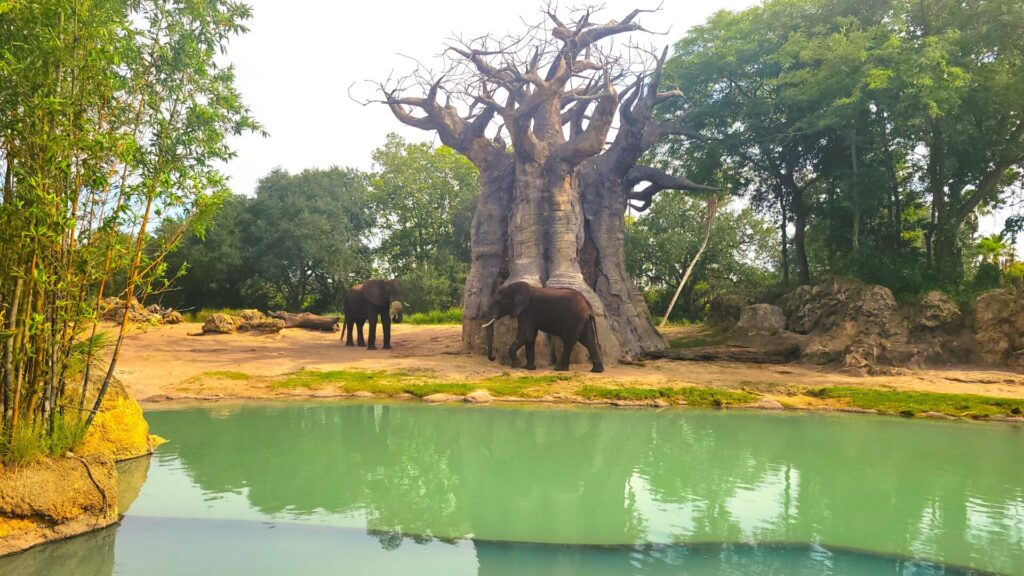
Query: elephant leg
{"points": [[513, 352], [568, 343], [371, 337], [589, 339], [531, 356], [349, 325], [551, 350], [362, 341], [385, 322]]}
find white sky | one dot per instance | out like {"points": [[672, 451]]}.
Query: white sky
{"points": [[299, 58]]}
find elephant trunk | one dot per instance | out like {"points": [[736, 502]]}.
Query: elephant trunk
{"points": [[490, 338]]}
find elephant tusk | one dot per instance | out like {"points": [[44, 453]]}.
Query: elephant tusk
{"points": [[489, 323]]}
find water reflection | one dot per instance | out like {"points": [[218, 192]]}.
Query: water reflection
{"points": [[158, 546], [944, 491]]}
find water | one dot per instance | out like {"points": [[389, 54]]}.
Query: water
{"points": [[416, 489]]}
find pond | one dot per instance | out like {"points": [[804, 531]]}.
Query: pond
{"points": [[402, 488]]}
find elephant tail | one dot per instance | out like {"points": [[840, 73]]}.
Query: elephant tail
{"points": [[593, 326], [343, 326]]}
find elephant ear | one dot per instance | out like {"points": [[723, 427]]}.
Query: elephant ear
{"points": [[521, 298], [375, 293]]}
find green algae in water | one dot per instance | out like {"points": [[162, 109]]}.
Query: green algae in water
{"points": [[413, 489]]}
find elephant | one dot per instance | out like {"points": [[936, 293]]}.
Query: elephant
{"points": [[561, 312], [367, 301]]}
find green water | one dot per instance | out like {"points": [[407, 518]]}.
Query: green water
{"points": [[417, 489]]}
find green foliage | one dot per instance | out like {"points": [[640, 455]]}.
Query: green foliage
{"points": [[910, 403], [424, 199], [874, 131], [227, 375], [449, 316], [660, 245], [31, 443], [694, 396], [116, 115], [305, 238]]}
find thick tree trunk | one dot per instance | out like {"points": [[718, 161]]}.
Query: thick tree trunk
{"points": [[603, 263], [489, 240], [800, 238]]}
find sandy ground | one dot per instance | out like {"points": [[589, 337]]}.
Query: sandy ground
{"points": [[166, 363]]}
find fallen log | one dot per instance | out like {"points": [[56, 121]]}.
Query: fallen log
{"points": [[307, 320], [776, 355]]}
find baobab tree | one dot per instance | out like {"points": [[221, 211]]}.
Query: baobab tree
{"points": [[534, 113]]}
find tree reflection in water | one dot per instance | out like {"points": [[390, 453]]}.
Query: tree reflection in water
{"points": [[587, 476]]}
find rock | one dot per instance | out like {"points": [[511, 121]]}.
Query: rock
{"points": [[112, 309], [725, 309], [479, 397], [252, 315], [440, 397], [856, 410], [999, 327], [765, 403], [221, 324], [660, 403], [937, 311], [1005, 418], [938, 416], [362, 394], [853, 324], [173, 317], [54, 499], [761, 320]]}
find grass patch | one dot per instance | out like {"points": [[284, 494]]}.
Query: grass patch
{"points": [[31, 442], [226, 375], [522, 386], [449, 316], [910, 403], [375, 382], [694, 396]]}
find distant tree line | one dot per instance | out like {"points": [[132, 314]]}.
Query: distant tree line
{"points": [[872, 133], [303, 239]]}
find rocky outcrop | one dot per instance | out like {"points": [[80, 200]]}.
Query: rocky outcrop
{"points": [[999, 328], [119, 430], [938, 311], [761, 320], [252, 316], [113, 309], [246, 321], [222, 324], [479, 397], [856, 325], [724, 310], [56, 498]]}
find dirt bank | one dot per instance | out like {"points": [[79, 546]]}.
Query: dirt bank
{"points": [[56, 498], [166, 363]]}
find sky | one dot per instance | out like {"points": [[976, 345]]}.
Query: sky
{"points": [[295, 67]]}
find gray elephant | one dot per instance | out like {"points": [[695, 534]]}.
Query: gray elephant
{"points": [[561, 312], [367, 301]]}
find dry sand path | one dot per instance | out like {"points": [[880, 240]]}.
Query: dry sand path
{"points": [[166, 363]]}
